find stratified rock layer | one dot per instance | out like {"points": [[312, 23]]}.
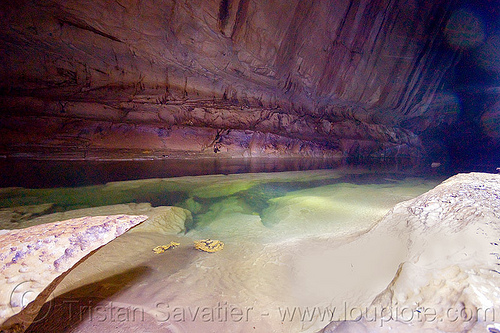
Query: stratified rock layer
{"points": [[293, 77], [34, 259]]}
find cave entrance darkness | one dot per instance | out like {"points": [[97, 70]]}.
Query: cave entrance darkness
{"points": [[472, 141]]}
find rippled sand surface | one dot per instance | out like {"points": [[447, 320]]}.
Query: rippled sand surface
{"points": [[286, 266]]}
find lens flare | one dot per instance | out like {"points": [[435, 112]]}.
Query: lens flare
{"points": [[464, 30], [490, 122], [488, 56]]}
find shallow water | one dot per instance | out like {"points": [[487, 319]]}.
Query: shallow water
{"points": [[282, 232]]}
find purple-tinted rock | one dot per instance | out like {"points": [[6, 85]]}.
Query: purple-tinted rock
{"points": [[113, 75], [34, 259]]}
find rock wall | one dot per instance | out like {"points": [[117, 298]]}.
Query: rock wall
{"points": [[346, 75]]}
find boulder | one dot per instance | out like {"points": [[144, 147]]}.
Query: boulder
{"points": [[35, 259]]}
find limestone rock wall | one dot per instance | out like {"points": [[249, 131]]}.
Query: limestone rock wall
{"points": [[318, 71]]}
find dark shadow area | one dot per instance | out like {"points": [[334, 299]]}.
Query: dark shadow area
{"points": [[66, 312], [29, 173], [473, 141]]}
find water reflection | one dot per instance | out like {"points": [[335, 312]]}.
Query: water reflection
{"points": [[46, 173]]}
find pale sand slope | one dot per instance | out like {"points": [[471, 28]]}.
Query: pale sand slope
{"points": [[307, 258], [32, 260], [449, 276]]}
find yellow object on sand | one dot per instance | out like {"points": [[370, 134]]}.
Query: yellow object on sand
{"points": [[163, 248], [208, 245]]}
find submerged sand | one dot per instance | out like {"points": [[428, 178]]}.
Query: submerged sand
{"points": [[302, 250], [290, 263]]}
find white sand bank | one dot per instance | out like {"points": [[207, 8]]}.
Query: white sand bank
{"points": [[289, 274]]}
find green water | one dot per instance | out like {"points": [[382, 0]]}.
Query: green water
{"points": [[265, 195], [281, 231]]}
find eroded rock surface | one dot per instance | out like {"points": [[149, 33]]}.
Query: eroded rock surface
{"points": [[448, 280], [33, 260], [241, 77]]}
